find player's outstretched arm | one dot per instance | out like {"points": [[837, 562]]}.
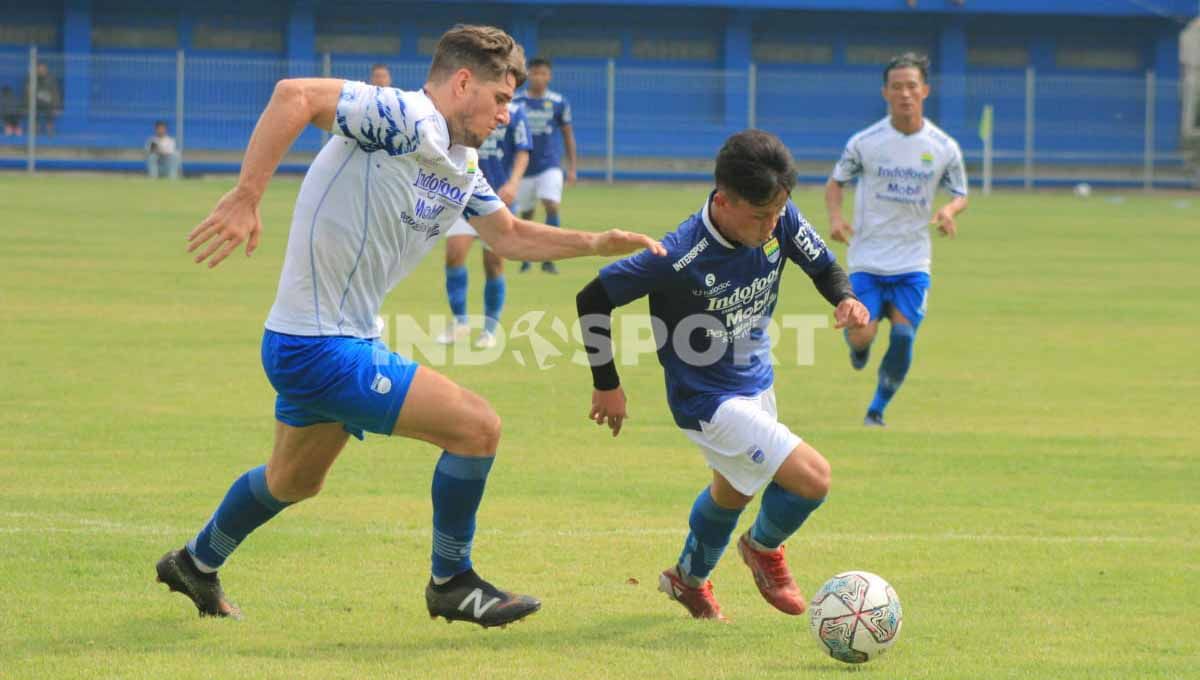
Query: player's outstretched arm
{"points": [[516, 239], [294, 104], [839, 228], [945, 219], [595, 320], [833, 284]]}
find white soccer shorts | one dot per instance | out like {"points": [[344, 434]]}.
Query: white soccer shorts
{"points": [[546, 185], [745, 441], [462, 227]]}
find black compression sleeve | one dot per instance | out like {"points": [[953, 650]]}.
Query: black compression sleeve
{"points": [[595, 319], [833, 284]]}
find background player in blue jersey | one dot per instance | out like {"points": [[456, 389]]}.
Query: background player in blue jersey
{"points": [[549, 115], [899, 163], [502, 159], [714, 294], [401, 169]]}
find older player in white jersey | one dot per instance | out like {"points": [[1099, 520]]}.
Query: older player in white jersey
{"points": [[899, 163], [402, 169]]}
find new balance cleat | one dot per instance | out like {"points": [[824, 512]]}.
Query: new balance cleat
{"points": [[699, 601], [179, 572], [549, 268], [772, 576], [467, 597], [526, 266], [453, 333], [485, 340], [874, 419]]}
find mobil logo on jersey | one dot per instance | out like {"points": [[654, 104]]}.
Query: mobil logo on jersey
{"points": [[427, 211], [436, 186]]}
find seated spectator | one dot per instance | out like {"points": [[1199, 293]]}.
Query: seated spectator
{"points": [[11, 111], [162, 156], [48, 97]]}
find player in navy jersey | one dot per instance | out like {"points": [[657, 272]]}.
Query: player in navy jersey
{"points": [[899, 163], [714, 294], [502, 159], [549, 115]]}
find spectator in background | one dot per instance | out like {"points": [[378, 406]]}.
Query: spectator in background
{"points": [[48, 96], [162, 156], [381, 76], [11, 111]]}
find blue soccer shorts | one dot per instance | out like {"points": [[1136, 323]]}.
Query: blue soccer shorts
{"points": [[906, 292], [336, 379]]}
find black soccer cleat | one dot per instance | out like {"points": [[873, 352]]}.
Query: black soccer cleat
{"points": [[549, 268], [177, 570], [874, 419], [526, 266], [467, 597]]}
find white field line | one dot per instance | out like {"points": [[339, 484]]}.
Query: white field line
{"points": [[67, 524]]}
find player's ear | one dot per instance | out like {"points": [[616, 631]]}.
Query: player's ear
{"points": [[461, 80]]}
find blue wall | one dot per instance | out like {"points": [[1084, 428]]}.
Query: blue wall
{"points": [[665, 107]]}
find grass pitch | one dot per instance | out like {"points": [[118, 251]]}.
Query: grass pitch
{"points": [[1034, 501]]}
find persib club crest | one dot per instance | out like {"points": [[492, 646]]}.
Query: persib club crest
{"points": [[771, 250], [927, 159]]}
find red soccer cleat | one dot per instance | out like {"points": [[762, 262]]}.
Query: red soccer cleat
{"points": [[699, 602], [772, 576]]}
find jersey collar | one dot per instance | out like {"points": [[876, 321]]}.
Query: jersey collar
{"points": [[706, 217]]}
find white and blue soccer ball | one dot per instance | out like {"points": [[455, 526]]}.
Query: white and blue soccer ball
{"points": [[856, 616], [1083, 189]]}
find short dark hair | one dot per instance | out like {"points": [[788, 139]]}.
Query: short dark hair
{"points": [[908, 60], [376, 67], [754, 165], [160, 122], [484, 50], [540, 61]]}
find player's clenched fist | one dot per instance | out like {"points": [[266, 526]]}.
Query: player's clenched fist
{"points": [[608, 406], [233, 221]]}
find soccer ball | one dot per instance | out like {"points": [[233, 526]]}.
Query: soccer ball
{"points": [[855, 616], [1083, 189]]}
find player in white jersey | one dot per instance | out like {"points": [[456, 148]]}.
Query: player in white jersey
{"points": [[401, 170], [899, 163]]}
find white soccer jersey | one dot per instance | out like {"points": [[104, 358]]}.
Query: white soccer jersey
{"points": [[371, 206], [898, 176]]}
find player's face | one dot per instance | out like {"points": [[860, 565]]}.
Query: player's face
{"points": [[750, 224], [381, 77], [487, 107], [905, 91], [539, 79]]}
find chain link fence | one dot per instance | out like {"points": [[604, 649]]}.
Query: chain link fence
{"points": [[99, 112]]}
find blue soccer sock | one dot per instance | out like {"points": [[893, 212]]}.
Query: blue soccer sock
{"points": [[494, 292], [456, 292], [247, 505], [711, 526], [458, 483], [552, 219], [894, 366], [781, 514]]}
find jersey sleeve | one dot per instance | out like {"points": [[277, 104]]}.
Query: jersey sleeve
{"points": [[802, 244], [954, 179], [483, 200], [518, 127], [563, 113], [637, 275], [376, 118], [849, 166]]}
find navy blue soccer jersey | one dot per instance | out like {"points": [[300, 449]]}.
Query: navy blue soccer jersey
{"points": [[714, 299], [497, 152], [547, 115]]}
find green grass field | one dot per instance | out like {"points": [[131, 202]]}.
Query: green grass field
{"points": [[1035, 500]]}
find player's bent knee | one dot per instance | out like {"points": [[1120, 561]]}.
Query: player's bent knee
{"points": [[292, 486]]}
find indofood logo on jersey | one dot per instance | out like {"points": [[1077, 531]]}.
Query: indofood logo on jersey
{"points": [[905, 173], [745, 293], [439, 187]]}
